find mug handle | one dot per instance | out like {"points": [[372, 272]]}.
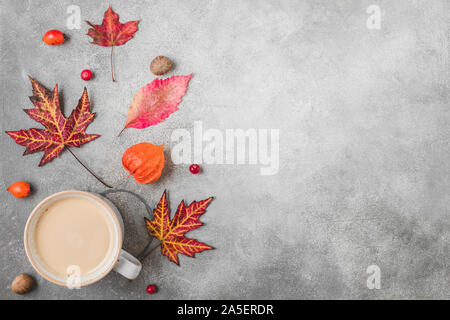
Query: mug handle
{"points": [[127, 265]]}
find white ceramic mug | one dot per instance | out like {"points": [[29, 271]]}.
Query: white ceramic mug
{"points": [[117, 259]]}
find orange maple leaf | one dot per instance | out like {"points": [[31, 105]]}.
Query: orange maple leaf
{"points": [[171, 232], [59, 131]]}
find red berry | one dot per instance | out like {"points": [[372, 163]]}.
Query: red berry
{"points": [[86, 75], [53, 37], [194, 168], [151, 289]]}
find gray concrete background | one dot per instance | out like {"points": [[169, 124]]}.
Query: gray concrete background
{"points": [[364, 143]]}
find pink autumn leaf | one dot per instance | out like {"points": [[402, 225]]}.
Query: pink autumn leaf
{"points": [[156, 101]]}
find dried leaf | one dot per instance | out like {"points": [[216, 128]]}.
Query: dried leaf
{"points": [[59, 131], [171, 232], [156, 101], [111, 32]]}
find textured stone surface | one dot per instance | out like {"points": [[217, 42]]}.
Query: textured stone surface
{"points": [[364, 143]]}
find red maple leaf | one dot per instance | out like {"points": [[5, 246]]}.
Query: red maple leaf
{"points": [[171, 232], [59, 132], [111, 32]]}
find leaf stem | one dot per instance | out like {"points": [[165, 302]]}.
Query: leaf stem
{"points": [[141, 256], [121, 131], [95, 176], [112, 66]]}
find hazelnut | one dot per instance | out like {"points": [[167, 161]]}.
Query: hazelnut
{"points": [[160, 65], [22, 283]]}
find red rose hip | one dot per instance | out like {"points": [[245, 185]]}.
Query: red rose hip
{"points": [[194, 168], [53, 37], [19, 189], [151, 289], [86, 74]]}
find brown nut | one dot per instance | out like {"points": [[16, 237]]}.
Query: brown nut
{"points": [[22, 283], [160, 65]]}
